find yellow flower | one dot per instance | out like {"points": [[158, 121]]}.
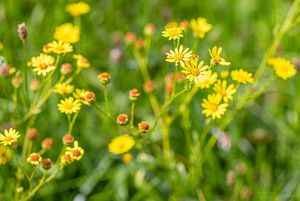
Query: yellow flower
{"points": [[67, 33], [58, 47], [127, 158], [212, 106], [216, 58], [69, 106], [77, 9], [1, 46], [173, 33], [75, 152], [192, 69], [83, 96], [200, 27], [34, 159], [81, 61], [225, 91], [121, 144], [206, 80], [242, 76], [42, 64], [283, 67], [10, 136], [64, 88], [5, 155], [224, 74], [179, 55]]}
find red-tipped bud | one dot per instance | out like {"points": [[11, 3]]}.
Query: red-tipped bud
{"points": [[144, 127], [122, 119], [47, 143]]}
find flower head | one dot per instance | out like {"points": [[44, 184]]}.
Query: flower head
{"points": [[104, 78], [173, 32], [67, 33], [122, 119], [34, 159], [5, 155], [206, 79], [59, 47], [143, 127], [42, 64], [242, 76], [22, 30], [283, 68], [64, 88], [75, 152], [200, 27], [83, 96], [212, 106], [216, 58], [10, 136], [179, 55], [81, 61], [225, 91], [121, 144], [134, 94], [127, 158], [192, 69], [77, 9], [69, 106]]}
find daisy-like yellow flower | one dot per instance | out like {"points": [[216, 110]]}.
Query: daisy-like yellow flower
{"points": [[173, 32], [193, 70], [225, 91], [75, 152], [81, 61], [121, 144], [34, 159], [83, 96], [67, 33], [127, 158], [10, 136], [5, 155], [69, 106], [179, 55], [42, 64], [58, 47], [283, 68], [216, 58], [200, 27], [242, 76], [206, 80], [213, 106], [64, 88], [77, 9]]}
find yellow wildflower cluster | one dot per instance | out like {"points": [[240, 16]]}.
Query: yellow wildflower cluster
{"points": [[204, 76], [283, 68]]}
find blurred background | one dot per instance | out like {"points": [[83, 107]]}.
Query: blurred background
{"points": [[260, 150]]}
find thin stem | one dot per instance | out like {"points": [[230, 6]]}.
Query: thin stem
{"points": [[174, 81], [106, 98], [132, 114]]}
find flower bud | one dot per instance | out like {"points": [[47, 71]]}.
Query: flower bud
{"points": [[46, 163], [66, 68], [122, 119], [68, 139], [149, 29], [139, 43], [104, 78], [149, 86], [66, 159], [32, 134], [184, 24], [134, 94], [16, 81], [47, 143], [144, 127], [127, 158], [130, 37], [35, 85], [22, 31], [230, 178]]}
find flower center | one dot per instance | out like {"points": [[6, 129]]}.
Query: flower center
{"points": [[8, 138], [43, 66], [76, 153], [68, 106], [173, 32], [178, 56], [223, 93], [213, 107], [195, 72]]}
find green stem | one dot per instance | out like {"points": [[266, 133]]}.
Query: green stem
{"points": [[106, 98], [132, 114]]}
